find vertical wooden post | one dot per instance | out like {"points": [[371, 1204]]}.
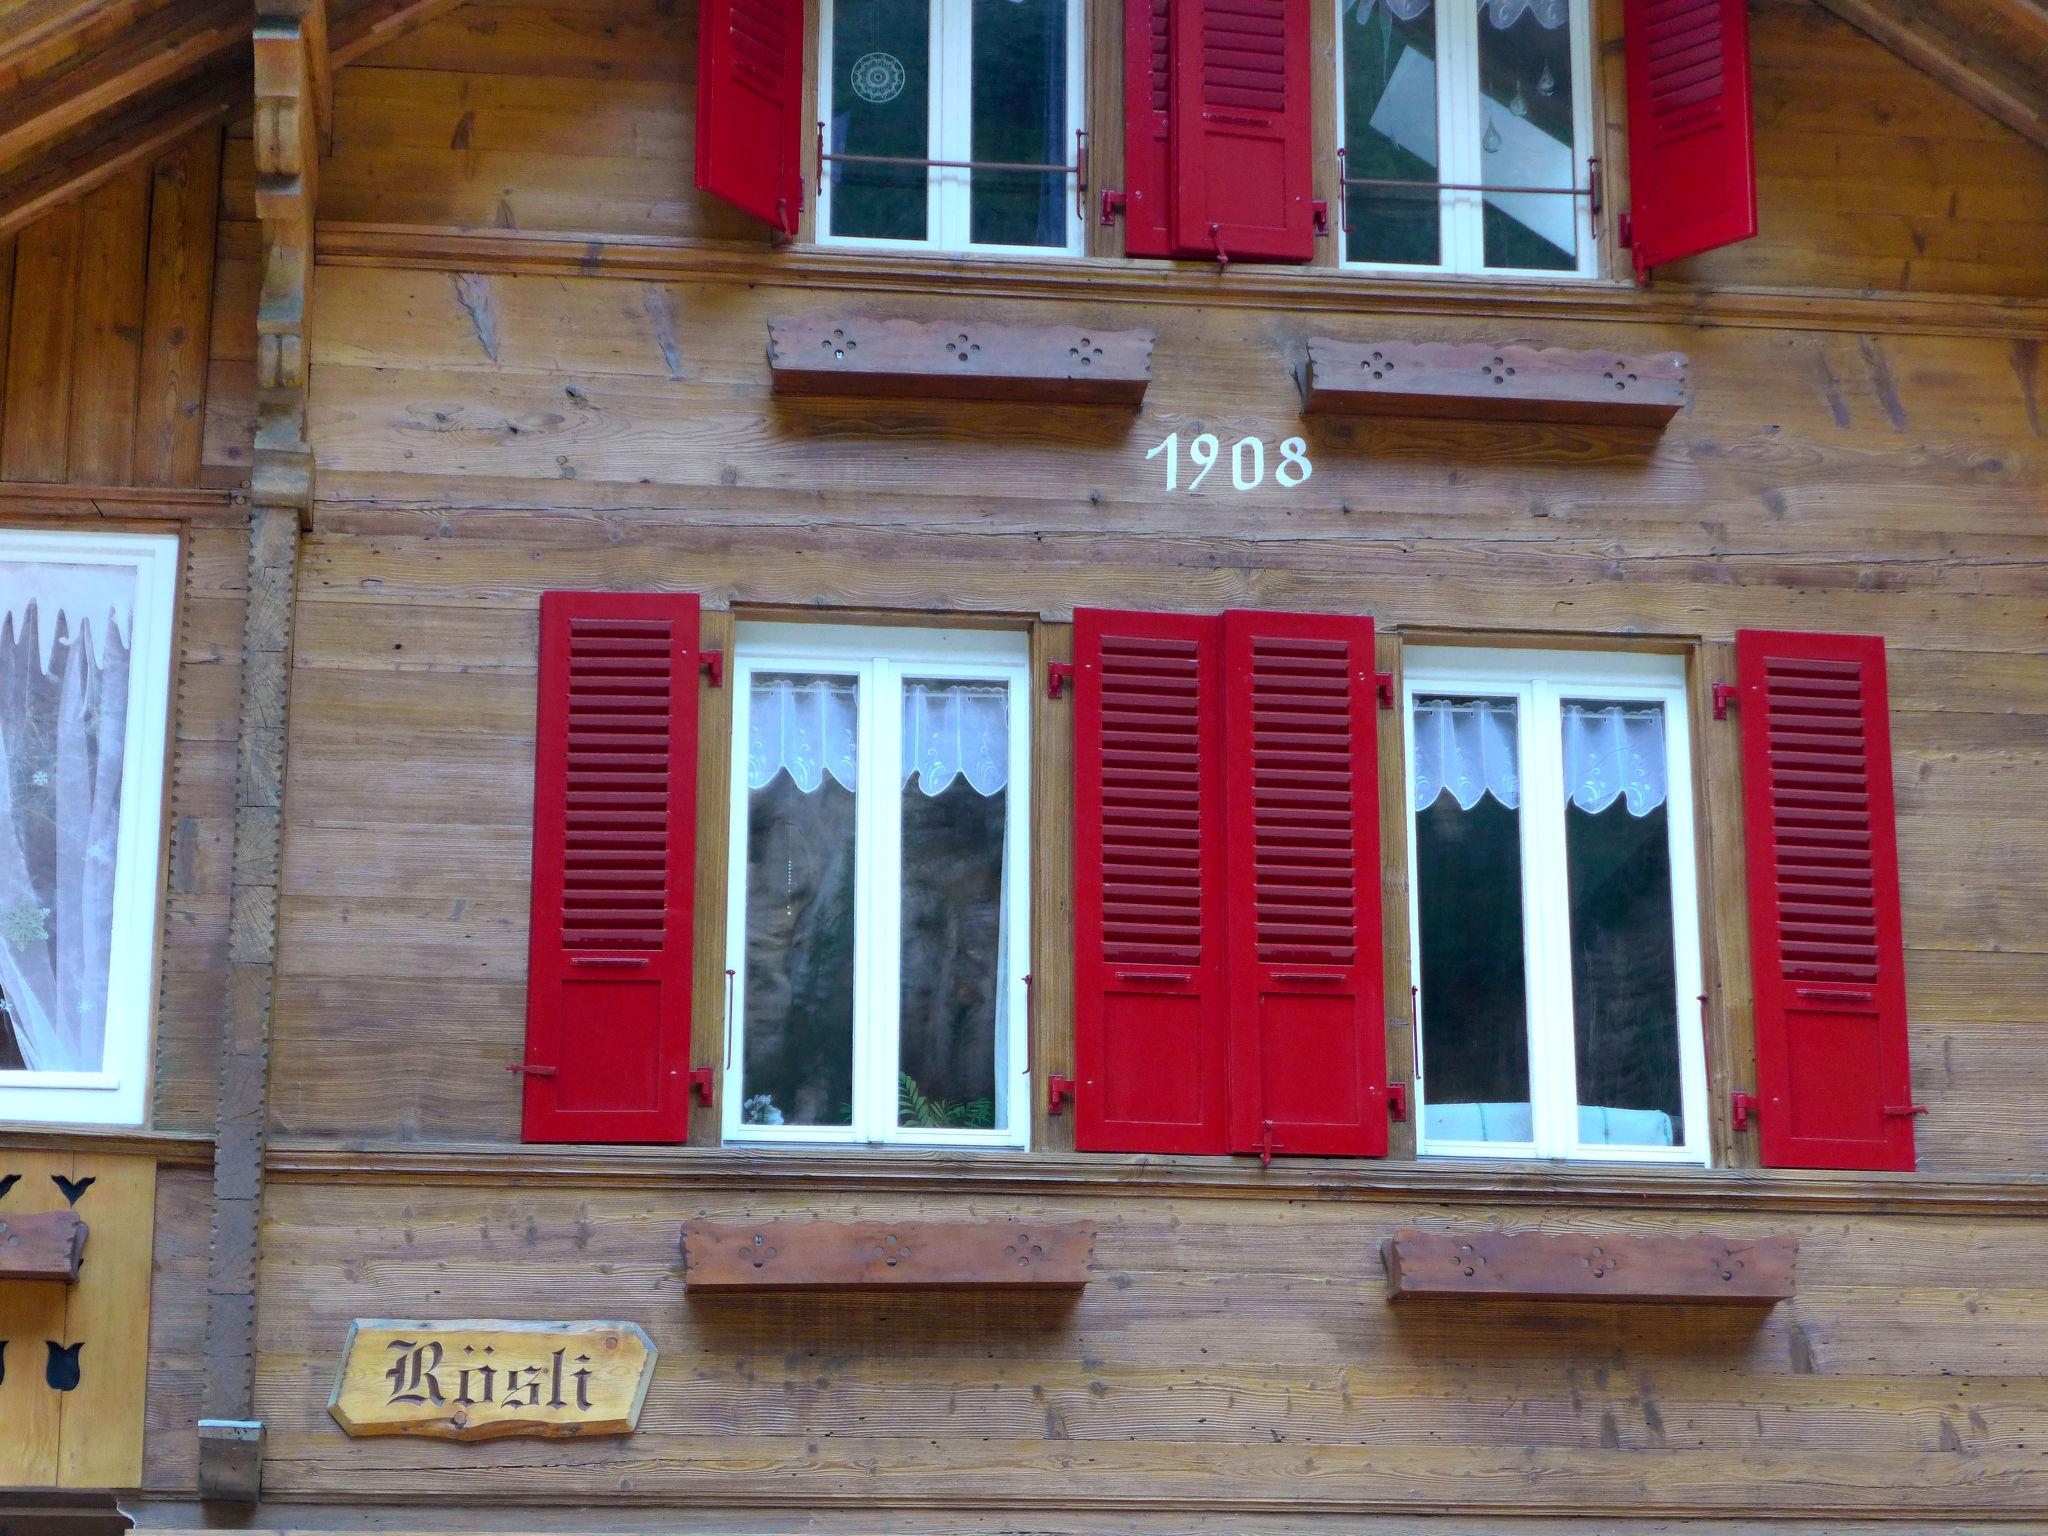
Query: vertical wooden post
{"points": [[291, 75]]}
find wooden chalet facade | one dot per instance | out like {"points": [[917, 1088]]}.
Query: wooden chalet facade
{"points": [[1024, 765]]}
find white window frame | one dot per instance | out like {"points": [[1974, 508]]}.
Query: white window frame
{"points": [[118, 1094], [1538, 682], [879, 659], [950, 132], [1461, 156]]}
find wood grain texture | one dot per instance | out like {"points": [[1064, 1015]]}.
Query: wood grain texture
{"points": [[43, 1245], [834, 353], [1486, 381], [1572, 1266], [885, 1256]]}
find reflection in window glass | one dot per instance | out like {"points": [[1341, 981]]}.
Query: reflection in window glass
{"points": [[880, 97], [1389, 64], [1624, 968], [1525, 103], [955, 818], [801, 815], [1468, 875], [1019, 94]]}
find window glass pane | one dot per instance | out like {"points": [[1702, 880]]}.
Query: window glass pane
{"points": [[798, 1010], [1468, 887], [1525, 105], [881, 105], [1624, 966], [955, 800], [1389, 69], [65, 641], [1019, 95]]}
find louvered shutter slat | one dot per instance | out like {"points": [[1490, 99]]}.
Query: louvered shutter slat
{"points": [[1692, 161], [1308, 1034], [614, 853], [1148, 168], [1241, 140], [1827, 950], [1149, 1042], [750, 110]]}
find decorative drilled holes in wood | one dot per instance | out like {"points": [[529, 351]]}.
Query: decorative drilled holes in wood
{"points": [[1575, 1267], [1820, 818], [615, 854], [914, 1255], [951, 360], [1492, 382], [1151, 801], [1303, 805]]}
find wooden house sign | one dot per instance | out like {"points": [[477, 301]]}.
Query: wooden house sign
{"points": [[488, 1380]]}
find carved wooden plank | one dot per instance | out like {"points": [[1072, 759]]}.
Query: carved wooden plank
{"points": [[964, 360], [1543, 1266], [491, 1380], [1494, 383], [44, 1245], [873, 1255]]}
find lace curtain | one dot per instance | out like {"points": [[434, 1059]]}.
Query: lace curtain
{"points": [[65, 633], [1467, 747], [1550, 14], [808, 728]]}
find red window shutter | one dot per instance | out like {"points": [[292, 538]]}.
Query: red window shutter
{"points": [[614, 866], [1150, 1047], [1242, 141], [1826, 947], [1692, 162], [1301, 786], [1148, 88], [750, 110]]}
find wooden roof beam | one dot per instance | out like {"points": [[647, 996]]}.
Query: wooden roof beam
{"points": [[1936, 52], [360, 28], [179, 40]]}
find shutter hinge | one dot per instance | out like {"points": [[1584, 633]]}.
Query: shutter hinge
{"points": [[1384, 683], [1724, 695], [1059, 676], [712, 665], [1113, 203], [700, 1084], [529, 1069], [1746, 1108], [1397, 1102], [1059, 1093], [1905, 1111], [1320, 211]]}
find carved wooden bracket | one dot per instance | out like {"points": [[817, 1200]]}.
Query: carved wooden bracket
{"points": [[965, 360], [42, 1245], [876, 1256], [1541, 1266], [1492, 383]]}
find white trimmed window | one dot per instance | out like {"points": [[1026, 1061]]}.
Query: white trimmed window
{"points": [[1553, 906], [1438, 99], [85, 666], [995, 83], [878, 901]]}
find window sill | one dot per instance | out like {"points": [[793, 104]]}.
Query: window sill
{"points": [[1058, 1175]]}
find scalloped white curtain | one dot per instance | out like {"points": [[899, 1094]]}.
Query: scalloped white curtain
{"points": [[1550, 14], [809, 729], [1467, 748]]}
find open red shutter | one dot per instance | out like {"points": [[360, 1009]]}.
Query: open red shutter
{"points": [[750, 111], [1826, 948], [1242, 142], [614, 856], [1148, 89], [1150, 1048], [1692, 163], [1301, 786]]}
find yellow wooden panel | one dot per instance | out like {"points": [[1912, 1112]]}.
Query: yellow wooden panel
{"points": [[31, 1315], [100, 1445]]}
